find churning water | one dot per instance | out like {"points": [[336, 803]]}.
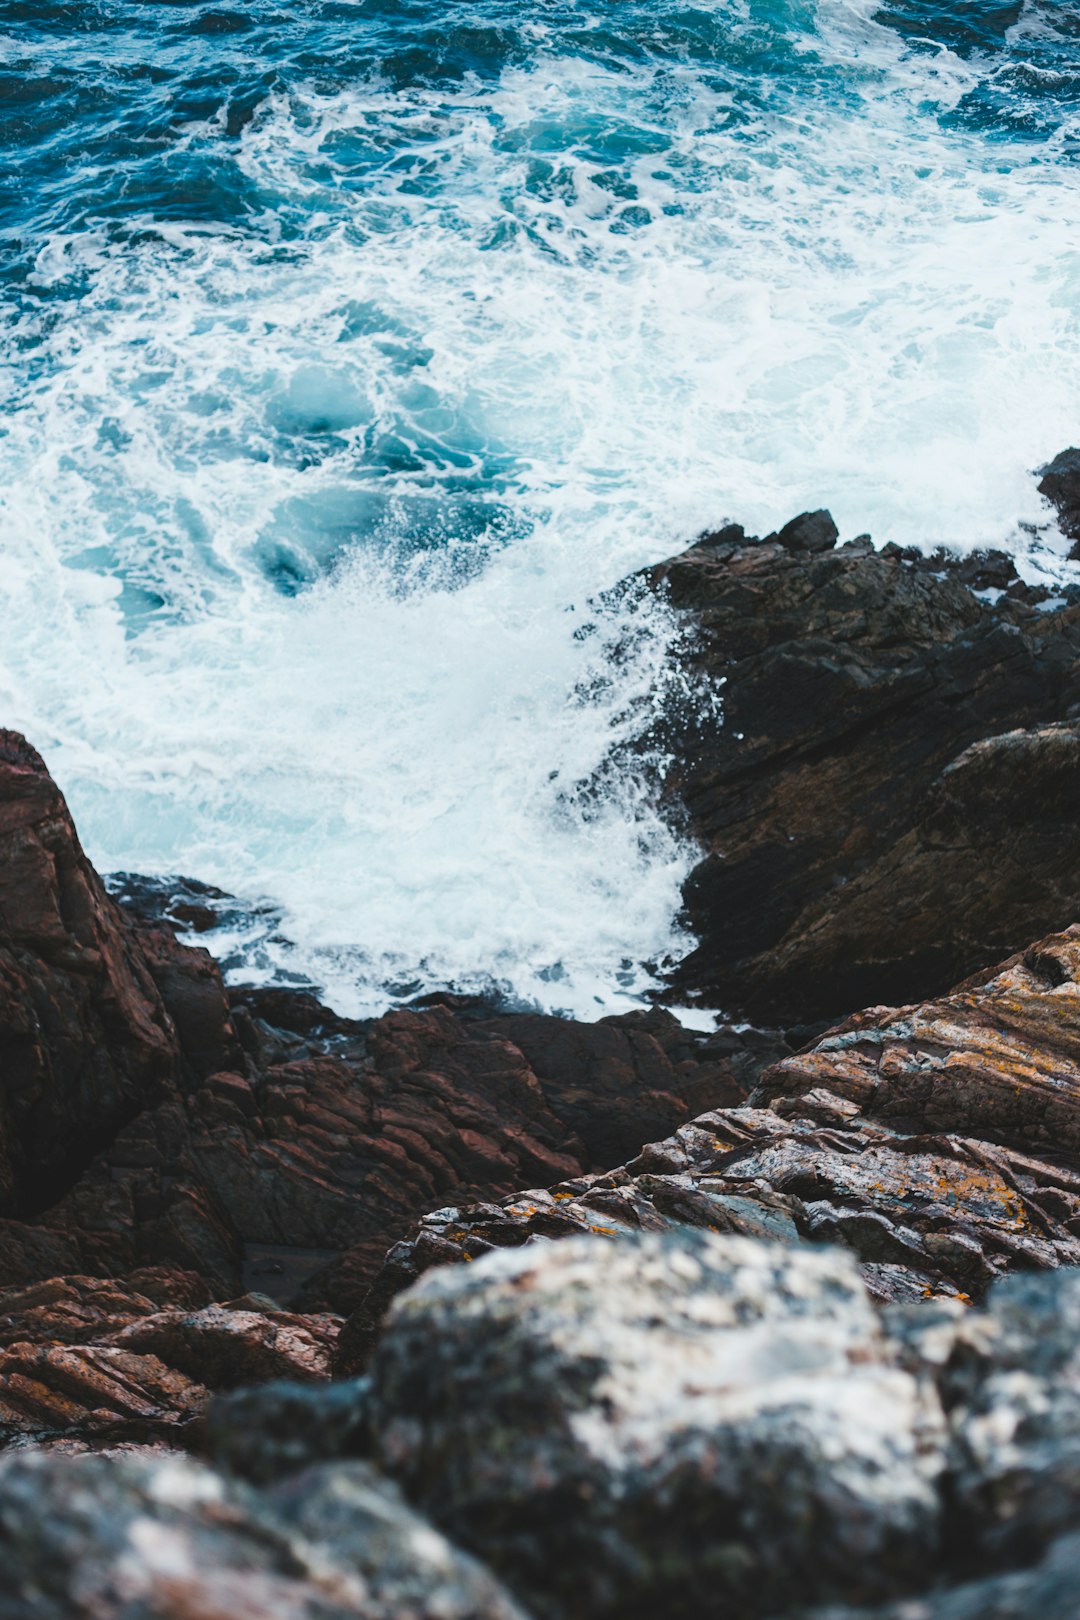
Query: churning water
{"points": [[349, 349]]}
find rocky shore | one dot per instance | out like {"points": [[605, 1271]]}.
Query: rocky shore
{"points": [[285, 1330]]}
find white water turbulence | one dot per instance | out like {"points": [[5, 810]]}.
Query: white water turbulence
{"points": [[346, 362]]}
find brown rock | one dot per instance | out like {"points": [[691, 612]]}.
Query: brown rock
{"points": [[998, 1058], [939, 1143], [85, 1040]]}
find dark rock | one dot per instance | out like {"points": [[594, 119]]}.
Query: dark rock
{"points": [[1012, 1386], [190, 985], [274, 1430], [886, 801], [1049, 1591], [85, 1041], [1060, 483], [811, 531]]}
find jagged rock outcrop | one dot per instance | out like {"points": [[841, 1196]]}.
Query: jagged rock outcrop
{"points": [[887, 801], [87, 1361], [1060, 483], [85, 1040], [157, 1132], [940, 1143]]}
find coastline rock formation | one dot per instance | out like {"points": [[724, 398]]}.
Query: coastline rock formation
{"points": [[940, 1143], [889, 800], [193, 1184], [282, 1336], [688, 1424]]}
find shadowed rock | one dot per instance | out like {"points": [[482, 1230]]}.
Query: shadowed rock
{"points": [[1060, 483], [887, 800], [85, 1040]]}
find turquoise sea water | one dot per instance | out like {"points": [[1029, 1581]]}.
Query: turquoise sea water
{"points": [[349, 349]]}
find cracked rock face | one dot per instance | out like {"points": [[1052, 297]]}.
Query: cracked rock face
{"points": [[677, 1425]]}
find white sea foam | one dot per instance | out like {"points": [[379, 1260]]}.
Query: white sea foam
{"points": [[560, 363]]}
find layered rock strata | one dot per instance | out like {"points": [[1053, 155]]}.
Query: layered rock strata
{"points": [[940, 1143], [193, 1183]]}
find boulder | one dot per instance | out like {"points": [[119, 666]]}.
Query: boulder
{"points": [[679, 1424], [269, 1431], [117, 1538]]}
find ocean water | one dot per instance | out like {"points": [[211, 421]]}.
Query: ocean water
{"points": [[351, 347]]}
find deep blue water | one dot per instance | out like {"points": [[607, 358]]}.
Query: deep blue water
{"points": [[348, 349]]}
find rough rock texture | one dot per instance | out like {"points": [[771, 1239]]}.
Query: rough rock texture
{"points": [[940, 1143], [1060, 483], [677, 1425], [85, 1360], [685, 1424], [106, 1538], [166, 1148], [272, 1430], [887, 801], [85, 1040], [999, 1056], [716, 1425]]}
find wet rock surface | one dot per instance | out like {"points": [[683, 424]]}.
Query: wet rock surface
{"points": [[887, 796], [194, 1182], [809, 1353], [1060, 483], [940, 1143]]}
